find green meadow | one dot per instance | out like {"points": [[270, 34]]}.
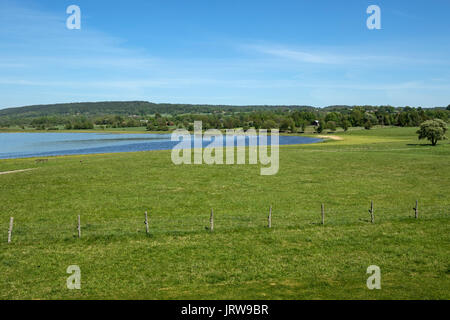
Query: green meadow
{"points": [[298, 258]]}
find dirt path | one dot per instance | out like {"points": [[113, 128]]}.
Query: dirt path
{"points": [[16, 171], [331, 137]]}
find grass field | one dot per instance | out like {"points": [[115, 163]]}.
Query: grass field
{"points": [[242, 259]]}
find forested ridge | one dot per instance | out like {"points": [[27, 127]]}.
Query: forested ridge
{"points": [[165, 116]]}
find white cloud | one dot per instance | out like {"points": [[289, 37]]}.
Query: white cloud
{"points": [[340, 56]]}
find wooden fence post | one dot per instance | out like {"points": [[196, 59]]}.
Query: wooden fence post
{"points": [[79, 226], [211, 221], [146, 223], [372, 217], [270, 218], [416, 210], [11, 222], [323, 214]]}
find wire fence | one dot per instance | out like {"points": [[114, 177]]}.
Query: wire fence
{"points": [[104, 227]]}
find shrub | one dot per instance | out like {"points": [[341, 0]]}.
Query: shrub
{"points": [[287, 125], [331, 125], [368, 125], [345, 125]]}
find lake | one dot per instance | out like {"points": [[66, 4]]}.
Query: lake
{"points": [[26, 145]]}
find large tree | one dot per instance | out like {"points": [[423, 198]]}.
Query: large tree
{"points": [[433, 130]]}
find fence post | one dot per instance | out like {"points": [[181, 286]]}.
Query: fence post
{"points": [[79, 226], [146, 223], [270, 218], [323, 214], [416, 210], [211, 221], [11, 222], [372, 217]]}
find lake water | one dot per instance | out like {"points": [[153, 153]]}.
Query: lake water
{"points": [[25, 145]]}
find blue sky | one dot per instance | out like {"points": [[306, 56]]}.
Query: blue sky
{"points": [[226, 52]]}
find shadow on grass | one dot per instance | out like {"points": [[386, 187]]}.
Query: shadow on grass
{"points": [[420, 144]]}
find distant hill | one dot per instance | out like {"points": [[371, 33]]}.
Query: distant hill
{"points": [[163, 116], [128, 108]]}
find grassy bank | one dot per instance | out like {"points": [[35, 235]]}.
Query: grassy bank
{"points": [[242, 259]]}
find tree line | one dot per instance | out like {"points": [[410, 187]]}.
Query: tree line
{"points": [[284, 118]]}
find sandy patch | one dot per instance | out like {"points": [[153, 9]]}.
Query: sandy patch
{"points": [[331, 137]]}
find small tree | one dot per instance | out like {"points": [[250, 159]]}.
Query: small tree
{"points": [[270, 124], [368, 125], [433, 130], [345, 124], [287, 125], [303, 126], [331, 125]]}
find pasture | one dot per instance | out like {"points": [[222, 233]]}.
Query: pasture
{"points": [[298, 258]]}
